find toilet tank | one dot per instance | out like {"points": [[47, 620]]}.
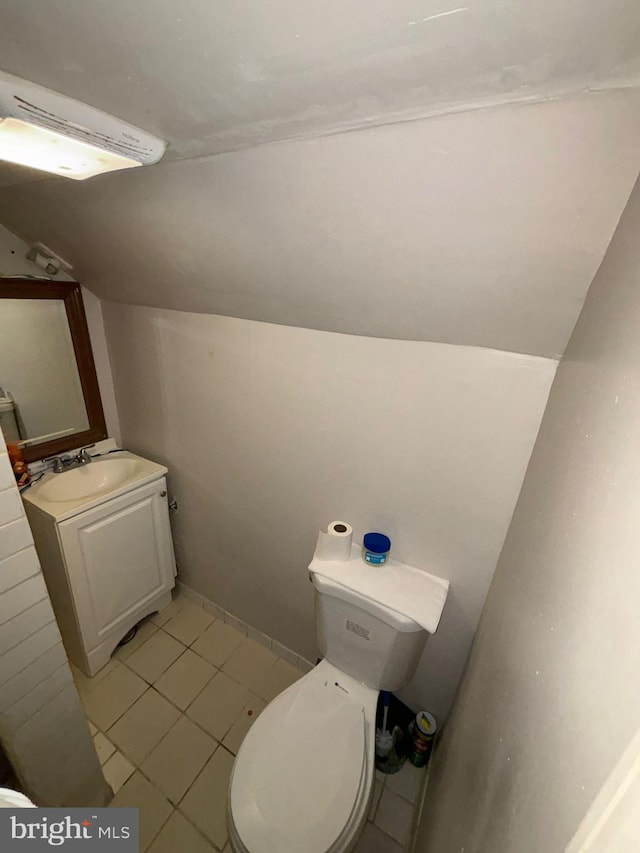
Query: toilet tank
{"points": [[368, 641]]}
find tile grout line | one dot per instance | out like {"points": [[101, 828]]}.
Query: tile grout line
{"points": [[418, 808], [138, 768], [199, 600], [218, 743], [199, 831], [180, 710], [164, 822], [304, 669], [219, 669], [162, 696], [181, 655], [174, 806], [182, 713], [171, 727]]}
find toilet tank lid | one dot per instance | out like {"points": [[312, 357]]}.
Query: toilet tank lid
{"points": [[399, 621], [405, 591]]}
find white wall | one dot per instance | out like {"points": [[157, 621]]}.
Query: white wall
{"points": [[43, 729], [14, 263], [550, 700], [95, 322], [270, 431]]}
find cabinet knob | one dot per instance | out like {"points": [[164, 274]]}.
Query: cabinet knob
{"points": [[163, 494]]}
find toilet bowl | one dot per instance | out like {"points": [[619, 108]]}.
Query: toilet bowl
{"points": [[303, 778]]}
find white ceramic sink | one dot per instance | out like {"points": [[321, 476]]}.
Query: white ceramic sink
{"points": [[88, 481]]}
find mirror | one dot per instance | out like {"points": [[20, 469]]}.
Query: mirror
{"points": [[49, 396]]}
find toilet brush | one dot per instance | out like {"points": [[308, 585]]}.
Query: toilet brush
{"points": [[384, 738], [389, 758]]}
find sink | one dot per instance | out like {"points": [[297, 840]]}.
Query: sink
{"points": [[87, 481], [65, 495]]}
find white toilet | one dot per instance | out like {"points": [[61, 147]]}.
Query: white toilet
{"points": [[303, 778]]}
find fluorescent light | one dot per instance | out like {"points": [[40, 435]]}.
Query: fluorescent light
{"points": [[39, 148]]}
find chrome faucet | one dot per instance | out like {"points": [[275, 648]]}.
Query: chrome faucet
{"points": [[83, 458], [65, 461]]}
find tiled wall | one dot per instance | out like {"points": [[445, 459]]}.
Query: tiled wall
{"points": [[43, 729]]}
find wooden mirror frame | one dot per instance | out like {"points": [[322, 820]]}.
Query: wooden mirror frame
{"points": [[71, 293]]}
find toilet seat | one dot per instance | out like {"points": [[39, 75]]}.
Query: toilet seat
{"points": [[302, 772]]}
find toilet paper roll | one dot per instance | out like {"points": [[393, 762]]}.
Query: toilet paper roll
{"points": [[335, 544]]}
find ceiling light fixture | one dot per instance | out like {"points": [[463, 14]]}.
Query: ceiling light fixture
{"points": [[48, 131]]}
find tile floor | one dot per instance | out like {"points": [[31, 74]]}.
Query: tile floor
{"points": [[168, 715]]}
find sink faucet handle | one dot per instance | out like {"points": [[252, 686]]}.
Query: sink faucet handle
{"points": [[57, 463], [83, 455]]}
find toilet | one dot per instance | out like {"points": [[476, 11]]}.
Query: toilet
{"points": [[303, 778]]}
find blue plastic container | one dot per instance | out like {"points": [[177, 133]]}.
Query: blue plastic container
{"points": [[375, 548]]}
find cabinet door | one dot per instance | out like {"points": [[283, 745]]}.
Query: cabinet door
{"points": [[119, 557]]}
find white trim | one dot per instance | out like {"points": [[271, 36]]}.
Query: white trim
{"points": [[612, 824]]}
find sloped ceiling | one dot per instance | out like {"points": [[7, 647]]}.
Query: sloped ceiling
{"points": [[501, 144], [213, 75]]}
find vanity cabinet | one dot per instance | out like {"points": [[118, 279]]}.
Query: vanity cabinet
{"points": [[106, 568]]}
